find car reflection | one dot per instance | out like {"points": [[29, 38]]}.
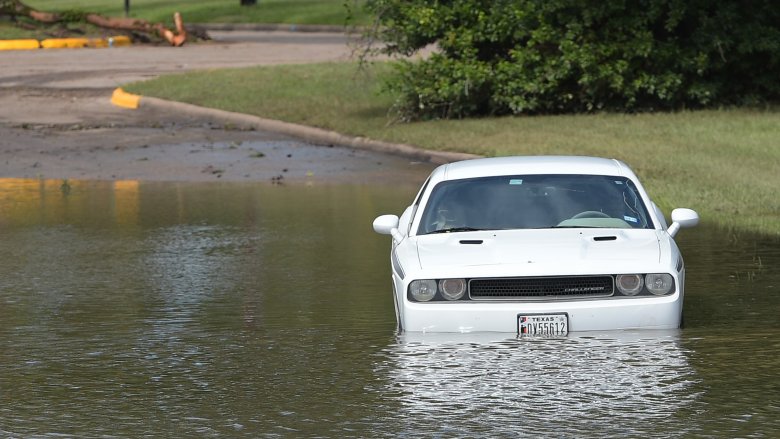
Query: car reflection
{"points": [[605, 384]]}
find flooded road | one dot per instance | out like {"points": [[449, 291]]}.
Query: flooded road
{"points": [[222, 309]]}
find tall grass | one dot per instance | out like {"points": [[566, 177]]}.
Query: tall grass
{"points": [[723, 163]]}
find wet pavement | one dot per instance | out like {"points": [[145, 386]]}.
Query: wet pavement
{"points": [[56, 119]]}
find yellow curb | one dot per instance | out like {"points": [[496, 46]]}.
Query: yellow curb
{"points": [[64, 43], [120, 98], [110, 42], [119, 41], [97, 43], [19, 44]]}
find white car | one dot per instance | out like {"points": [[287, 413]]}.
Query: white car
{"points": [[535, 246]]}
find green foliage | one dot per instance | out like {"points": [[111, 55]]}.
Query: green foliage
{"points": [[558, 56], [73, 16]]}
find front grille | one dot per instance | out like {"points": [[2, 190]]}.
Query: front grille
{"points": [[531, 288]]}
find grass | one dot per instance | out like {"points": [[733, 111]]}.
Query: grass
{"points": [[9, 31], [218, 11], [328, 12], [722, 163]]}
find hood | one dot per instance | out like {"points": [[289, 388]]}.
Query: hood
{"points": [[547, 246]]}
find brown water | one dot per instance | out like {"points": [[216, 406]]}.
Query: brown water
{"points": [[250, 310]]}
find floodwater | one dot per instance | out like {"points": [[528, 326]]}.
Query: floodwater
{"points": [[134, 309]]}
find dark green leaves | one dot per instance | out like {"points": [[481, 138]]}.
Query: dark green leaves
{"points": [[561, 56]]}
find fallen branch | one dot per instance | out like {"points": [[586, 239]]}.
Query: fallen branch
{"points": [[15, 8], [131, 24]]}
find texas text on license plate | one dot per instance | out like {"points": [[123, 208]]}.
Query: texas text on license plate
{"points": [[529, 325]]}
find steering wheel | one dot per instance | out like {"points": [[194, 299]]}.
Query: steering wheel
{"points": [[591, 214]]}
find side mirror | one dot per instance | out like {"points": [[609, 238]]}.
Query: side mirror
{"points": [[682, 219], [385, 224], [388, 225]]}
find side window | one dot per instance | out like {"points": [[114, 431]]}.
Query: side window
{"points": [[634, 203]]}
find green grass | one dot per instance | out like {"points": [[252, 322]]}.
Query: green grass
{"points": [[9, 31], [723, 163], [328, 12], [331, 12]]}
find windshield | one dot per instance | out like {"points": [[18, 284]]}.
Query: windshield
{"points": [[532, 202]]}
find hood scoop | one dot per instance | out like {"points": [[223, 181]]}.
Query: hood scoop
{"points": [[471, 241], [605, 238]]}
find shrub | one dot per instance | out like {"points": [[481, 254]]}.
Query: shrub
{"points": [[562, 56]]}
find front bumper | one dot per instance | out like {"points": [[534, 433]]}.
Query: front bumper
{"points": [[586, 315]]}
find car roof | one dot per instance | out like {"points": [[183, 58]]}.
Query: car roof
{"points": [[529, 165]]}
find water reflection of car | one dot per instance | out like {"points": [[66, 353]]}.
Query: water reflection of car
{"points": [[536, 246], [611, 384]]}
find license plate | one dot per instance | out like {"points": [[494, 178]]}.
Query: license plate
{"points": [[531, 325]]}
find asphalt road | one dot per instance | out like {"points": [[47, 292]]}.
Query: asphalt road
{"points": [[56, 119], [84, 71]]}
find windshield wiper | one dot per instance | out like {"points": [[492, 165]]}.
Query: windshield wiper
{"points": [[572, 227], [455, 229]]}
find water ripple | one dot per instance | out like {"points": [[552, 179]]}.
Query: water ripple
{"points": [[618, 384]]}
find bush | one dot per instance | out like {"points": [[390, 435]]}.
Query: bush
{"points": [[561, 56]]}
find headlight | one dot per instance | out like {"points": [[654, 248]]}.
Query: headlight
{"points": [[422, 290], [659, 284], [452, 289], [629, 284]]}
